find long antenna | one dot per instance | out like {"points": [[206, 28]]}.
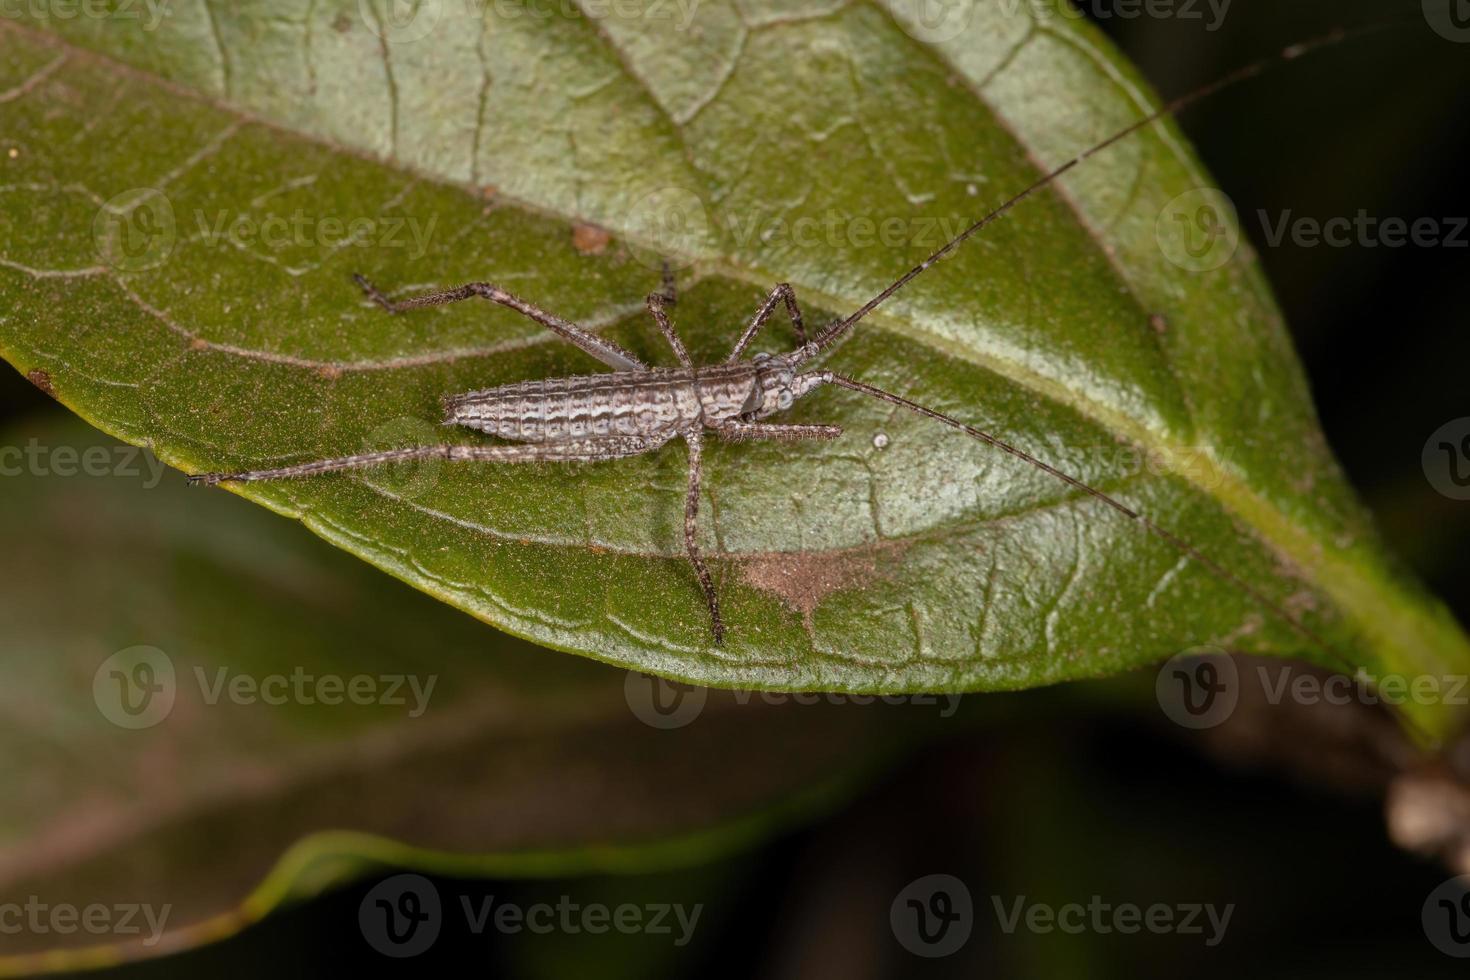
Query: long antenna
{"points": [[834, 331], [831, 333], [1184, 547]]}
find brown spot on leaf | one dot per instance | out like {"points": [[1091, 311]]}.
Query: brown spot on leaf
{"points": [[199, 343], [1159, 323], [590, 239], [489, 191], [329, 371], [802, 580], [41, 379]]}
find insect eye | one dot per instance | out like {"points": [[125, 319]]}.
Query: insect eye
{"points": [[762, 356], [784, 399]]}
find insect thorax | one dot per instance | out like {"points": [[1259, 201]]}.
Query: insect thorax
{"points": [[773, 387]]}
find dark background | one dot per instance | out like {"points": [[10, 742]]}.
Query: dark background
{"points": [[1132, 810]]}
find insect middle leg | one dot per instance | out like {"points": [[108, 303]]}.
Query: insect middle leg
{"points": [[782, 293], [695, 440], [660, 316], [604, 350], [657, 301]]}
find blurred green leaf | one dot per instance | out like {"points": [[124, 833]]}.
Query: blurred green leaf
{"points": [[239, 785], [1107, 327]]}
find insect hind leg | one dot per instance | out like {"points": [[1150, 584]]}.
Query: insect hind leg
{"points": [[579, 451]]}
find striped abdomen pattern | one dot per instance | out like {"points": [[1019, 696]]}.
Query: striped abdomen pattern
{"points": [[641, 403]]}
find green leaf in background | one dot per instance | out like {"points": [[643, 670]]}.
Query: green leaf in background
{"points": [[178, 225], [451, 748]]}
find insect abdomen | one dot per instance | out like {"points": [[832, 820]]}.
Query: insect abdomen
{"points": [[562, 409]]}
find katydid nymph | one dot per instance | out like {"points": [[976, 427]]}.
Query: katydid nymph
{"points": [[637, 408]]}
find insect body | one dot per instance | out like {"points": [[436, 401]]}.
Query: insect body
{"points": [[633, 410], [656, 404], [637, 409]]}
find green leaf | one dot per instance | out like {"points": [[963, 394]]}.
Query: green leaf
{"points": [[831, 146], [239, 786]]}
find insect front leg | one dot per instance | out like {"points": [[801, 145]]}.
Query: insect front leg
{"points": [[749, 431], [695, 440], [782, 293]]}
